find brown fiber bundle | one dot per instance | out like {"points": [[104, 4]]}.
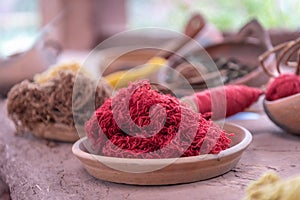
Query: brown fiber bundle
{"points": [[31, 103]]}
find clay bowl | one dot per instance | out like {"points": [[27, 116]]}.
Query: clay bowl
{"points": [[174, 171], [139, 54], [57, 132], [125, 61], [245, 47], [246, 53], [285, 113]]}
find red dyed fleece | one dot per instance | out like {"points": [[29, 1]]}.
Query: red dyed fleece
{"points": [[130, 126], [283, 86]]}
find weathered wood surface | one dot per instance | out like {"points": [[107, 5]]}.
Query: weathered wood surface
{"points": [[35, 169]]}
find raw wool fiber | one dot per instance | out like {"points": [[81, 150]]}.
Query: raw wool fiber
{"points": [[283, 86], [140, 122], [30, 103]]}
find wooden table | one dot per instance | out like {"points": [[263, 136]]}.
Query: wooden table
{"points": [[35, 169]]}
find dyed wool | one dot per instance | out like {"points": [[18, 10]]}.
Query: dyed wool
{"points": [[283, 86], [142, 123], [236, 99]]}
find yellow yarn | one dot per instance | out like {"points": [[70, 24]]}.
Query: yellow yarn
{"points": [[122, 78], [271, 187], [53, 72]]}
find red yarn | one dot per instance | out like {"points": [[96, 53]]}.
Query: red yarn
{"points": [[238, 98], [156, 126], [283, 86]]}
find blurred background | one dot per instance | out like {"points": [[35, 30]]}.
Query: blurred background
{"points": [[95, 20], [37, 34]]}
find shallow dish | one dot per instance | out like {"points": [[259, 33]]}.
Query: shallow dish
{"points": [[245, 47], [58, 132], [169, 171], [284, 113]]}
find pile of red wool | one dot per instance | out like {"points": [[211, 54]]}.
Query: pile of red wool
{"points": [[140, 122], [283, 86]]}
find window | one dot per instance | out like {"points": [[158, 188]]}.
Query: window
{"points": [[226, 15], [19, 24]]}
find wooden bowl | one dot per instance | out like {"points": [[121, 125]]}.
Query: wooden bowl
{"points": [[125, 61], [58, 132], [170, 170], [245, 47], [285, 113]]}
